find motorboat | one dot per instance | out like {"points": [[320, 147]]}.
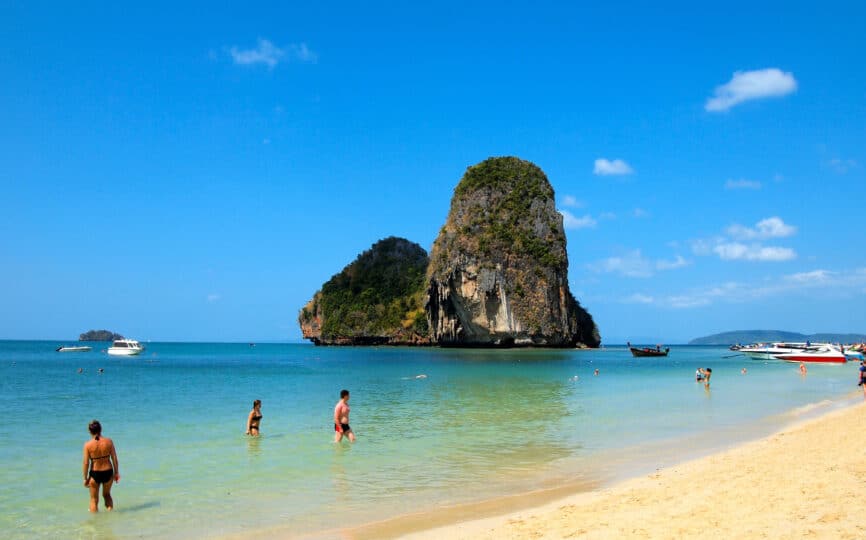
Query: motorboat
{"points": [[125, 347], [648, 351], [768, 351], [74, 348], [824, 354]]}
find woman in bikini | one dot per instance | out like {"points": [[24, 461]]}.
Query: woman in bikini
{"points": [[254, 419], [100, 467]]}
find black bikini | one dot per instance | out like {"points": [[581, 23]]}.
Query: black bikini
{"points": [[101, 477]]}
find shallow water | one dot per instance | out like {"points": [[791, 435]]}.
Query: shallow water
{"points": [[482, 423]]}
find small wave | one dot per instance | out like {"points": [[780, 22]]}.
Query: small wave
{"points": [[809, 407]]}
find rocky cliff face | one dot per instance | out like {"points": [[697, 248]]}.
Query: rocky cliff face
{"points": [[498, 273], [376, 300]]}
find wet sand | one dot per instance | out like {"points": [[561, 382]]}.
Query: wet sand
{"points": [[804, 481]]}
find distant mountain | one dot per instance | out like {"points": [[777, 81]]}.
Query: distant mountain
{"points": [[755, 336]]}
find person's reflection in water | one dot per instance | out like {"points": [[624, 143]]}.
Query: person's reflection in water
{"points": [[338, 473], [254, 446]]}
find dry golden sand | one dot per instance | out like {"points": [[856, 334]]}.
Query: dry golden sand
{"points": [[807, 481]]}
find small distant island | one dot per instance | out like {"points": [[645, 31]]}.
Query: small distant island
{"points": [[762, 336], [99, 335]]}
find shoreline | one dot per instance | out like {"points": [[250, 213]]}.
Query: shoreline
{"points": [[803, 479], [534, 513]]}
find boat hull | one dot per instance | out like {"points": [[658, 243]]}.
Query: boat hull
{"points": [[644, 353], [74, 349], [812, 358], [124, 352], [758, 355]]}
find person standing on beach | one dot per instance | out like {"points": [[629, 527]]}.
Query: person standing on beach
{"points": [[254, 420], [802, 368], [708, 372], [99, 466], [341, 419], [699, 374]]}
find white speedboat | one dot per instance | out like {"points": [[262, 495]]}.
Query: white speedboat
{"points": [[768, 351], [74, 348], [125, 347], [824, 354]]}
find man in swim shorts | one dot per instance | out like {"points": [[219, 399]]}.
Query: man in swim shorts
{"points": [[341, 419]]}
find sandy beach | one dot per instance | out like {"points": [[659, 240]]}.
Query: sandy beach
{"points": [[804, 481]]}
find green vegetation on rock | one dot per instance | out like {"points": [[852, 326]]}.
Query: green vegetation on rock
{"points": [[377, 299], [504, 195], [99, 335]]}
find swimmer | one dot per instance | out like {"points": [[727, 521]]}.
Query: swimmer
{"points": [[254, 420], [803, 369], [341, 419], [101, 371], [708, 372], [81, 370], [699, 374], [99, 466], [595, 372], [743, 371]]}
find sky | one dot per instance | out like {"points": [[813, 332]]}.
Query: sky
{"points": [[196, 171]]}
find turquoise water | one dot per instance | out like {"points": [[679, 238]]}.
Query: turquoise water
{"points": [[483, 423]]}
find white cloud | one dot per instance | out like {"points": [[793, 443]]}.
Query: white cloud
{"points": [[639, 298], [749, 85], [604, 167], [733, 251], [842, 166], [815, 277], [640, 213], [269, 54], [302, 53], [771, 227], [570, 221], [743, 243], [634, 264], [742, 183], [678, 262], [213, 297], [607, 215], [823, 282], [571, 202], [631, 264]]}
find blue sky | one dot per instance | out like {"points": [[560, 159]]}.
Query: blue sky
{"points": [[196, 172]]}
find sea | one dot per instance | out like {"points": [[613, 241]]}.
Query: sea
{"points": [[437, 429]]}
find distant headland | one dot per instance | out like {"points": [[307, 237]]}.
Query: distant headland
{"points": [[762, 336], [99, 335], [497, 275]]}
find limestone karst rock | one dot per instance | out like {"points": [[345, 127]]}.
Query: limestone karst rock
{"points": [[376, 300], [498, 272]]}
